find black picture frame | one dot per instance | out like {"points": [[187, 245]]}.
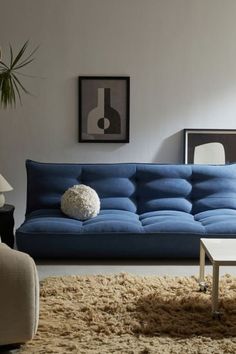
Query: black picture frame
{"points": [[224, 138], [104, 109]]}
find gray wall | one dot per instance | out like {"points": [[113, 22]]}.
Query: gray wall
{"points": [[180, 55]]}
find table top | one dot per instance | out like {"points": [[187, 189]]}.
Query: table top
{"points": [[7, 208], [220, 250]]}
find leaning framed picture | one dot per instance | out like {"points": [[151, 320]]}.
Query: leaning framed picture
{"points": [[209, 146], [104, 109]]}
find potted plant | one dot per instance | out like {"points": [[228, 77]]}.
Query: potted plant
{"points": [[11, 86]]}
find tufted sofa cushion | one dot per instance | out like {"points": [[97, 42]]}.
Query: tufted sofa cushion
{"points": [[164, 187], [170, 221], [213, 187], [218, 222]]}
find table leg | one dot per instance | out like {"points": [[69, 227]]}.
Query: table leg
{"points": [[202, 264], [202, 284], [215, 289]]}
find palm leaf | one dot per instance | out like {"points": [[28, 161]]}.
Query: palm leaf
{"points": [[20, 54], [21, 65], [17, 90], [12, 92], [5, 91], [5, 66], [26, 75], [11, 53], [20, 84], [27, 58]]}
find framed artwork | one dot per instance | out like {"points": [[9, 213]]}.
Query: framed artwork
{"points": [[209, 146], [104, 109]]}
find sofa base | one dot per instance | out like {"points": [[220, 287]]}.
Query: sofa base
{"points": [[113, 246]]}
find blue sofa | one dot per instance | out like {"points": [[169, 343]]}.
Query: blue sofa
{"points": [[147, 210]]}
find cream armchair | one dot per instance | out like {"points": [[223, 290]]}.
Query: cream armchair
{"points": [[19, 296]]}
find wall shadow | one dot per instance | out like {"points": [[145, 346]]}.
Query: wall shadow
{"points": [[171, 149]]}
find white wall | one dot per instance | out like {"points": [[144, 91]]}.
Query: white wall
{"points": [[180, 55]]}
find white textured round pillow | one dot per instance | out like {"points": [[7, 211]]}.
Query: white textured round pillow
{"points": [[80, 202]]}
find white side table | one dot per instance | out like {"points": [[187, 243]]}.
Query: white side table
{"points": [[221, 252]]}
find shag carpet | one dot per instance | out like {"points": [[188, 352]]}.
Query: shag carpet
{"points": [[133, 315]]}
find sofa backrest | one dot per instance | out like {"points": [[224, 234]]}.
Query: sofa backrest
{"points": [[213, 187], [164, 187], [135, 187], [114, 183]]}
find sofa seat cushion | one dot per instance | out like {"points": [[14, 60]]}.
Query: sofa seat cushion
{"points": [[171, 221], [47, 233], [50, 221], [218, 221], [53, 221]]}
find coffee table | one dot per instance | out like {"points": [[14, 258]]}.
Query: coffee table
{"points": [[221, 252]]}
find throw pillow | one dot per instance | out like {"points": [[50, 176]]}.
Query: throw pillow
{"points": [[80, 202]]}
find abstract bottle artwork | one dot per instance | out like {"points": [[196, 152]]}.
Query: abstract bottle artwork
{"points": [[103, 109], [103, 119]]}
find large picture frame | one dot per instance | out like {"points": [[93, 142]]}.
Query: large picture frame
{"points": [[209, 146], [104, 109]]}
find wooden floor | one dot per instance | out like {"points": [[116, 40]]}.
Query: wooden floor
{"points": [[160, 268]]}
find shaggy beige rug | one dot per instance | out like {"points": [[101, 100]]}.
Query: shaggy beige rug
{"points": [[130, 314]]}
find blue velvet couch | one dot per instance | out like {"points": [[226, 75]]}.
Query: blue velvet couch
{"points": [[147, 210]]}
